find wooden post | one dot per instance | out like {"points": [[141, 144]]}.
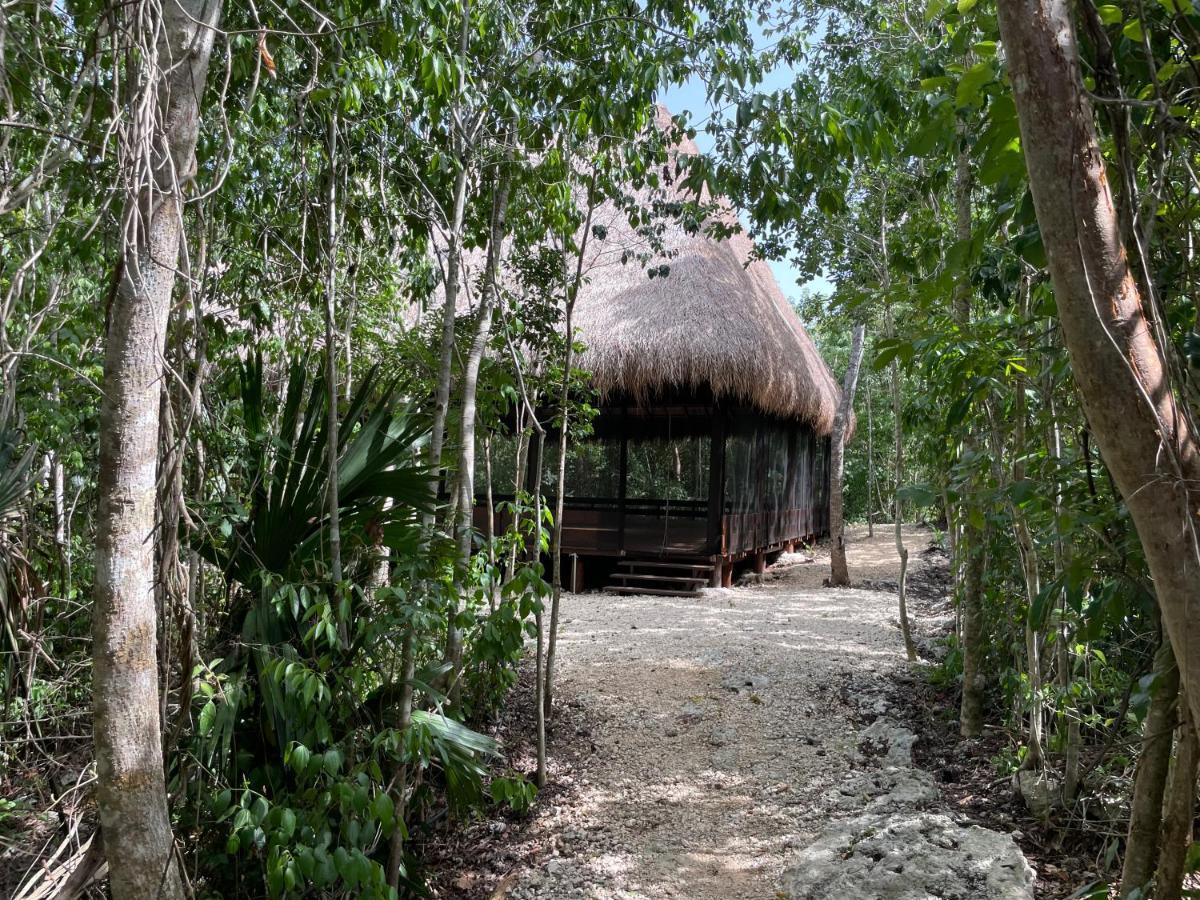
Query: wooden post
{"points": [[716, 483], [760, 562], [624, 478], [717, 579], [727, 573]]}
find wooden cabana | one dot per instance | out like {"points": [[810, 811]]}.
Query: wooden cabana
{"points": [[711, 446]]}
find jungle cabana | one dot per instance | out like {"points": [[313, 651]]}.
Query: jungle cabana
{"points": [[711, 446]]}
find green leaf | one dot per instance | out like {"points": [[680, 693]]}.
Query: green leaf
{"points": [[1007, 161], [287, 824], [1133, 31], [332, 761], [381, 807], [971, 85], [1192, 863], [1110, 15], [259, 810], [917, 494], [965, 6], [208, 715]]}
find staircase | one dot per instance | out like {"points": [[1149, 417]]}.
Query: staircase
{"points": [[662, 579]]}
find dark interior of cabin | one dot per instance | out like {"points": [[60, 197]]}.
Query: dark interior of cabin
{"points": [[678, 479]]}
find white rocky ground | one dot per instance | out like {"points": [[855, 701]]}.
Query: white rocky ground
{"points": [[743, 750]]}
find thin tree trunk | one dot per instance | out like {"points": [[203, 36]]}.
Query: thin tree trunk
{"points": [[62, 547], [1146, 807], [885, 276], [910, 649], [1030, 572], [466, 458], [839, 573], [564, 411], [1178, 811], [519, 474], [1071, 741], [454, 236], [131, 796], [539, 668], [489, 534], [400, 805], [1145, 434], [441, 397], [332, 440], [970, 720], [871, 486]]}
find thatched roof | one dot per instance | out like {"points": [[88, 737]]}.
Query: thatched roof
{"points": [[713, 322]]}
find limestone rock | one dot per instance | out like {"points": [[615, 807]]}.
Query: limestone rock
{"points": [[740, 683], [890, 741], [1040, 791], [887, 790], [909, 856], [722, 735]]}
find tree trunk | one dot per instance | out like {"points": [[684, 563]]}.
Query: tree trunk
{"points": [[1178, 812], [539, 667], [1071, 740], [441, 396], [400, 805], [1030, 571], [131, 792], [910, 649], [523, 437], [871, 487], [839, 574], [561, 481], [1146, 807], [1145, 435], [331, 365], [466, 452], [970, 718]]}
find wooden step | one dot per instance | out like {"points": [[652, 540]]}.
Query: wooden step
{"points": [[695, 567], [657, 592], [637, 576]]}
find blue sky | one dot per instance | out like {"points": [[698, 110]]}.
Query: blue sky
{"points": [[691, 96]]}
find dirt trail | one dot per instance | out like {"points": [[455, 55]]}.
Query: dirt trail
{"points": [[723, 727]]}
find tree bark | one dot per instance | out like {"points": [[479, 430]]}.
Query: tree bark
{"points": [[400, 805], [839, 573], [1178, 811], [1146, 807], [1144, 433], [970, 717], [1030, 570], [871, 487], [539, 666], [441, 397], [910, 649], [333, 503], [561, 489], [466, 453], [165, 109]]}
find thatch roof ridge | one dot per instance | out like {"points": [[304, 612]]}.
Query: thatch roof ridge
{"points": [[718, 320]]}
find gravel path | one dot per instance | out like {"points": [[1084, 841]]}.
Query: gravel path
{"points": [[723, 728]]}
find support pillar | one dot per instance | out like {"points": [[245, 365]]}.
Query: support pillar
{"points": [[760, 562], [576, 574], [718, 578]]}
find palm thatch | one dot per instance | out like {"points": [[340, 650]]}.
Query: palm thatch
{"points": [[717, 320]]}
